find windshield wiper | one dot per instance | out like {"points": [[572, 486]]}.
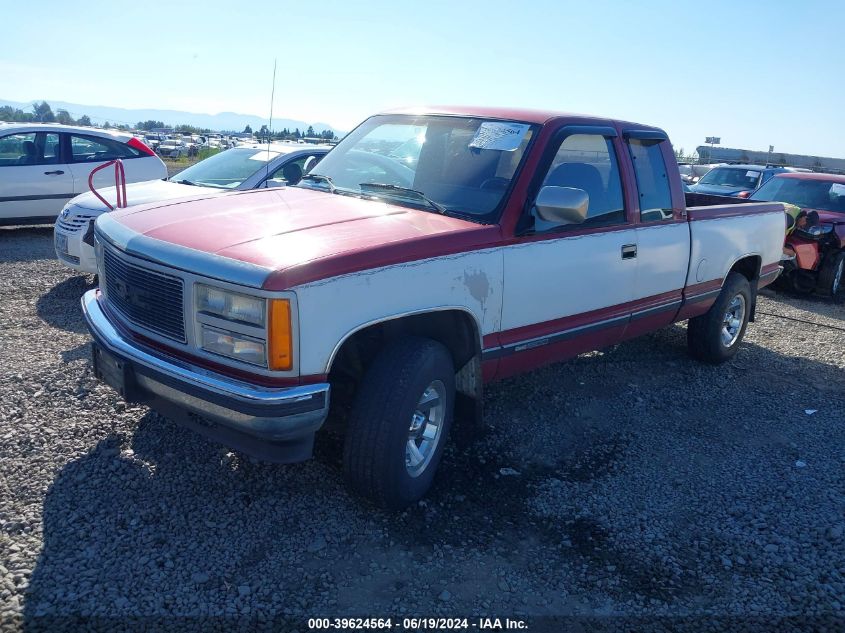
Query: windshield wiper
{"points": [[320, 178], [186, 182], [419, 195]]}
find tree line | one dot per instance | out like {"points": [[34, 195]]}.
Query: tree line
{"points": [[265, 134], [43, 113]]}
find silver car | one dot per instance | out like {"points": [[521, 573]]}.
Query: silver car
{"points": [[239, 168]]}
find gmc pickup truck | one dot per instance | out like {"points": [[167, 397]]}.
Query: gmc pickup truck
{"points": [[399, 283]]}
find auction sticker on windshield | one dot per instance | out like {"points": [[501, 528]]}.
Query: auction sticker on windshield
{"points": [[504, 137]]}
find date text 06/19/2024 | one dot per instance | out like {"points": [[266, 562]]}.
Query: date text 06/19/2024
{"points": [[419, 624]]}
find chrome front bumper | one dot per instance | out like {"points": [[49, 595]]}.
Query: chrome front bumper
{"points": [[276, 424]]}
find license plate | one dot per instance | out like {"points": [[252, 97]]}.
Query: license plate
{"points": [[115, 372], [61, 243]]}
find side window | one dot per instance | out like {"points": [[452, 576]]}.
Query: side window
{"points": [[52, 153], [588, 162], [31, 148], [652, 180], [18, 149], [86, 149], [291, 172]]}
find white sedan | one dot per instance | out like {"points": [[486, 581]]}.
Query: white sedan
{"points": [[43, 165], [235, 169]]}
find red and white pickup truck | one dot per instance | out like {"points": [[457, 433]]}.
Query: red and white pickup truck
{"points": [[430, 252]]}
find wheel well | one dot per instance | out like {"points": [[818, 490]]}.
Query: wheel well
{"points": [[748, 267], [455, 329]]}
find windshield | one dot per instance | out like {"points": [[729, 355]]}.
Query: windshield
{"points": [[454, 165], [732, 177], [227, 169], [823, 195]]}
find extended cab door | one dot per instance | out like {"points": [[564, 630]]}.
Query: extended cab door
{"points": [[663, 237], [34, 181], [567, 287]]}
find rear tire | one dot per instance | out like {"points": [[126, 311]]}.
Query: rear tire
{"points": [[714, 337], [407, 396], [831, 274]]}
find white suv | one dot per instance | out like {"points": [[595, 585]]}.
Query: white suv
{"points": [[42, 166]]}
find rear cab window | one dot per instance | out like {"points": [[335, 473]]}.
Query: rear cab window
{"points": [[655, 195]]}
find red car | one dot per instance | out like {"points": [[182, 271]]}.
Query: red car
{"points": [[814, 253]]}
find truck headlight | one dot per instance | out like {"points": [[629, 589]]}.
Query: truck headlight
{"points": [[263, 336], [232, 306], [234, 345]]}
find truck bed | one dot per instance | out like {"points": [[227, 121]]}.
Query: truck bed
{"points": [[703, 206]]}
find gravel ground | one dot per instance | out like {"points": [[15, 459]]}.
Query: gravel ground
{"points": [[625, 484]]}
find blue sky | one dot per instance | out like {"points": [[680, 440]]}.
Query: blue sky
{"points": [[754, 73]]}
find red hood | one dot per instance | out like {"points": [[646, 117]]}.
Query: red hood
{"points": [[302, 235]]}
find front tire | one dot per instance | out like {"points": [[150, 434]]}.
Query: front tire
{"points": [[714, 337], [399, 422], [831, 274]]}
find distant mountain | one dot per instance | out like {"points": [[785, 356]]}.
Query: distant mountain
{"points": [[221, 121]]}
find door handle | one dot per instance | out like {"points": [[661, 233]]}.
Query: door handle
{"points": [[629, 251], [58, 172]]}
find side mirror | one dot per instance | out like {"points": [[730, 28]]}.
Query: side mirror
{"points": [[562, 205], [275, 182]]}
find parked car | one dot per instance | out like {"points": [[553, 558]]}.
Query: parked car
{"points": [[815, 252], [516, 239], [43, 165], [153, 140], [173, 148], [235, 169], [687, 173], [736, 180], [194, 143]]}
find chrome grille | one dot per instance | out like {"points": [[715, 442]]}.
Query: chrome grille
{"points": [[145, 297], [74, 223]]}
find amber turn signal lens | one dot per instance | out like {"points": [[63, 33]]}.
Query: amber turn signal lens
{"points": [[280, 335]]}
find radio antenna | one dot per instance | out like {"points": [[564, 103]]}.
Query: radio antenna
{"points": [[270, 128]]}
